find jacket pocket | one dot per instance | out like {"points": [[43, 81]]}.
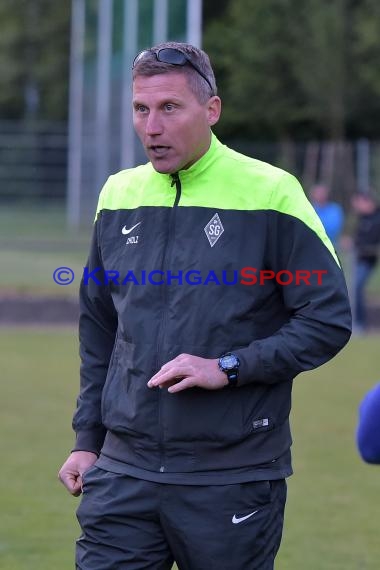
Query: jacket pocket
{"points": [[128, 405], [120, 362]]}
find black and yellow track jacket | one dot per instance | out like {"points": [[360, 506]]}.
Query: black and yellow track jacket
{"points": [[227, 255]]}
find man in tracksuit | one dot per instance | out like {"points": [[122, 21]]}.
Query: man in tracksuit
{"points": [[210, 285]]}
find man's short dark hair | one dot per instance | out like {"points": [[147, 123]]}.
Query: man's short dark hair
{"points": [[148, 65]]}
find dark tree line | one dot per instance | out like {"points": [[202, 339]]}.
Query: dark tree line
{"points": [[286, 69], [34, 58], [297, 69]]}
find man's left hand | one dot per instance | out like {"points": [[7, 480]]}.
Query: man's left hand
{"points": [[186, 371]]}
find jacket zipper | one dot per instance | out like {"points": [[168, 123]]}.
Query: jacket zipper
{"points": [[161, 331]]}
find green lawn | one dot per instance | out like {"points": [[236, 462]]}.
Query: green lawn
{"points": [[35, 240], [333, 507]]}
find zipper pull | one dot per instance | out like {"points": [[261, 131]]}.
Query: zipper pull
{"points": [[177, 182], [175, 179]]}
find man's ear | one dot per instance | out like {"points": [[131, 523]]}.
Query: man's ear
{"points": [[214, 108]]}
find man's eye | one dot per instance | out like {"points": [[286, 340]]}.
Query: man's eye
{"points": [[140, 109], [169, 107]]}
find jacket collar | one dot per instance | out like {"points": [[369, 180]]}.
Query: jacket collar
{"points": [[202, 163]]}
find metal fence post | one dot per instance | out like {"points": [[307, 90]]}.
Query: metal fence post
{"points": [[130, 35], [74, 174]]}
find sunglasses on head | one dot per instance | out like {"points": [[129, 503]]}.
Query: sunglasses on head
{"points": [[173, 56]]}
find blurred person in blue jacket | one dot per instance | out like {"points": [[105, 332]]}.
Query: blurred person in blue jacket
{"points": [[330, 213], [368, 429]]}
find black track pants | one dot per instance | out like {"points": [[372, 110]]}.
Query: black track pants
{"points": [[133, 524]]}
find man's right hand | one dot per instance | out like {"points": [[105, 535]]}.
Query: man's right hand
{"points": [[72, 470]]}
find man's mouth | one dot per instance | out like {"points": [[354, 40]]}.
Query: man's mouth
{"points": [[158, 150]]}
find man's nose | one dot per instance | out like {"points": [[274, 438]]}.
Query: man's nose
{"points": [[154, 124]]}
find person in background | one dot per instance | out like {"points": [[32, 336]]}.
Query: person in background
{"points": [[330, 213], [182, 421], [366, 248], [368, 429]]}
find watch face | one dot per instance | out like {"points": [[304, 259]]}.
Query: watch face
{"points": [[229, 361]]}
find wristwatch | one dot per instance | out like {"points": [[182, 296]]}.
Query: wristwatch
{"points": [[229, 364]]}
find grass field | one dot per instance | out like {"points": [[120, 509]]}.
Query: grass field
{"points": [[35, 240], [333, 506]]}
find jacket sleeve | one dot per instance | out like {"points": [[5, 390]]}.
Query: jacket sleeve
{"points": [[368, 430], [97, 331], [318, 315]]}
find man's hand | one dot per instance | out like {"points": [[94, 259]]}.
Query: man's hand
{"points": [[72, 470], [186, 371]]}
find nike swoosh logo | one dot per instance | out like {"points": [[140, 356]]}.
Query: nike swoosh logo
{"points": [[126, 232], [237, 520]]}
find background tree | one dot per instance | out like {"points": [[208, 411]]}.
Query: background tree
{"points": [[34, 59], [294, 69], [364, 74], [250, 49], [321, 40]]}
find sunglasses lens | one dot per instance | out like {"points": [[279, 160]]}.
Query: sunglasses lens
{"points": [[171, 55]]}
